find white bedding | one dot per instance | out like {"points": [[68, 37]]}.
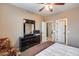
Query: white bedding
{"points": [[59, 50]]}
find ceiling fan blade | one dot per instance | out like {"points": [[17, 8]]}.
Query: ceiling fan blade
{"points": [[59, 3], [41, 9]]}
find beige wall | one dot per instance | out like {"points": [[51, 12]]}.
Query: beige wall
{"points": [[11, 22], [73, 24]]}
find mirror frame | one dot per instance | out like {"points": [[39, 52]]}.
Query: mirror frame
{"points": [[29, 22]]}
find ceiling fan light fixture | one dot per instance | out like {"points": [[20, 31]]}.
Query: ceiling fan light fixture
{"points": [[48, 7], [51, 7]]}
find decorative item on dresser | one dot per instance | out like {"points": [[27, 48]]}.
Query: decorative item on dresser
{"points": [[31, 36]]}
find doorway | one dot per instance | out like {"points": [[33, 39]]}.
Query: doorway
{"points": [[55, 31], [50, 31]]}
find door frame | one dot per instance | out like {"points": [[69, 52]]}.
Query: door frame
{"points": [[66, 24]]}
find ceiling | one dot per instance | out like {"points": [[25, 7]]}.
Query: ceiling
{"points": [[34, 7]]}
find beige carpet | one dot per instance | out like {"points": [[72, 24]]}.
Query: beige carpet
{"points": [[36, 49]]}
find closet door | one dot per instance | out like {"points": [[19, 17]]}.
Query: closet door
{"points": [[60, 31]]}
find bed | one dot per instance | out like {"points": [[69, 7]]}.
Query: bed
{"points": [[51, 49], [59, 50]]}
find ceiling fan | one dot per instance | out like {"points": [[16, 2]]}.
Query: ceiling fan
{"points": [[49, 6]]}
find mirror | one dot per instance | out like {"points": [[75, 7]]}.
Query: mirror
{"points": [[29, 27]]}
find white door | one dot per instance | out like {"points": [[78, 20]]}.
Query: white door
{"points": [[44, 38], [60, 31]]}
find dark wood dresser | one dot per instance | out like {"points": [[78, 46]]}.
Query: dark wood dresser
{"points": [[30, 38], [28, 41]]}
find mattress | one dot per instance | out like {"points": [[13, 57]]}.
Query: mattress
{"points": [[59, 50]]}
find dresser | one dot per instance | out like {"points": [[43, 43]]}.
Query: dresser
{"points": [[28, 41]]}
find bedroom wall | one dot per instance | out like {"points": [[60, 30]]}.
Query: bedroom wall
{"points": [[73, 24], [11, 22]]}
